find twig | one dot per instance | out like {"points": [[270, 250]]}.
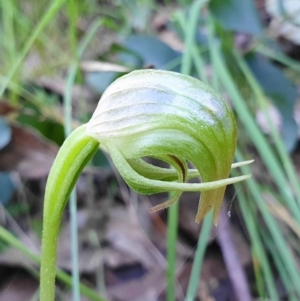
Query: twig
{"points": [[233, 264]]}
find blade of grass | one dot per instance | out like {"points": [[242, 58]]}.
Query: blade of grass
{"points": [[289, 290], [199, 64], [68, 129], [8, 29], [73, 18], [26, 25], [11, 240], [284, 156], [258, 250], [268, 156], [277, 56], [281, 212], [199, 256], [9, 39], [280, 242], [189, 35], [247, 119], [193, 56], [49, 14], [194, 52], [74, 246], [171, 250], [186, 65]]}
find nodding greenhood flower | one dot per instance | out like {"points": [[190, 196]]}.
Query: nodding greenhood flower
{"points": [[172, 117], [149, 113]]}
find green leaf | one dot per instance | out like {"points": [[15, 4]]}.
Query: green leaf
{"points": [[151, 51], [5, 133], [99, 81], [47, 127], [237, 15], [100, 160], [7, 187], [281, 91]]}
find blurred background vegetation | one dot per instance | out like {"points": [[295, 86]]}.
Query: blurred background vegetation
{"points": [[57, 58]]}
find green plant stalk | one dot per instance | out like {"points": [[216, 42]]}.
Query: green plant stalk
{"points": [[62, 178], [171, 251], [172, 236], [75, 153], [198, 258], [11, 240]]}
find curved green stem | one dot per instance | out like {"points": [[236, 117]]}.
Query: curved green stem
{"points": [[72, 157]]}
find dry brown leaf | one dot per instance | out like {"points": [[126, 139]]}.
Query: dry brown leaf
{"points": [[285, 23], [236, 272], [6, 109], [18, 287], [28, 153], [147, 288], [273, 114]]}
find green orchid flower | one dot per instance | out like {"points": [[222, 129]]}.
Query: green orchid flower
{"points": [[148, 113]]}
